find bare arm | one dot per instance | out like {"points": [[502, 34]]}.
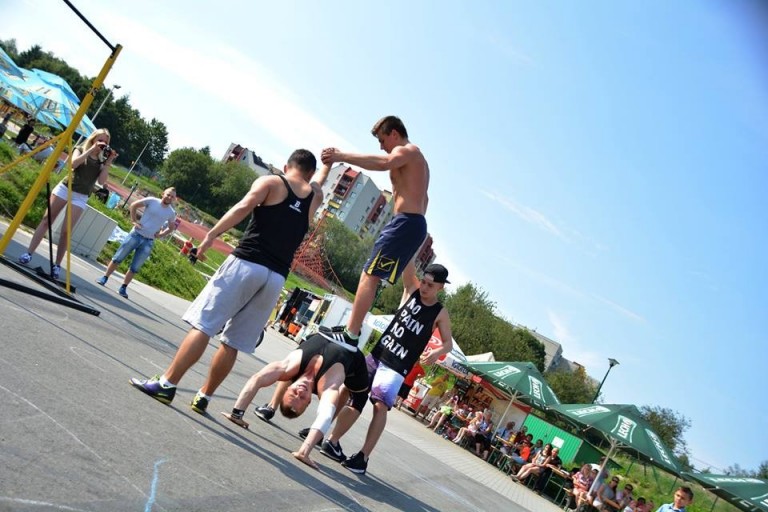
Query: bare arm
{"points": [[317, 187], [278, 370], [443, 324], [256, 196], [410, 281], [134, 208], [167, 231], [399, 156]]}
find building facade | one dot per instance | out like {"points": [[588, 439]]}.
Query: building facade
{"points": [[238, 153], [354, 199]]}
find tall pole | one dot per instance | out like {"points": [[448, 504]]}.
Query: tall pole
{"points": [[611, 363], [136, 161]]}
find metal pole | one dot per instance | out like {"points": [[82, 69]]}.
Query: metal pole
{"points": [[103, 102], [136, 161], [611, 363]]}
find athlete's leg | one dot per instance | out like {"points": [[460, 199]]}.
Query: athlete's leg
{"points": [[375, 429], [364, 297], [190, 351], [222, 363]]}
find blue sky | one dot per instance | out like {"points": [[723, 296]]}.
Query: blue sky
{"points": [[597, 167]]}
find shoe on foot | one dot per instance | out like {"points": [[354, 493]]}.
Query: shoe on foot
{"points": [[264, 412], [339, 335], [237, 420], [333, 451], [356, 463], [102, 280], [25, 258], [199, 404], [56, 272], [153, 388], [303, 433], [122, 291]]}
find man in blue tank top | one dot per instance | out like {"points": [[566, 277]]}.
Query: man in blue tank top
{"points": [[239, 298]]}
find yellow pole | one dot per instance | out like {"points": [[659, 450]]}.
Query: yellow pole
{"points": [[63, 141], [31, 153], [68, 218]]}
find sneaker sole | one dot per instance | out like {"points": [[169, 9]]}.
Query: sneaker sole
{"points": [[354, 470], [198, 410], [333, 456], [262, 417], [347, 346], [158, 398]]}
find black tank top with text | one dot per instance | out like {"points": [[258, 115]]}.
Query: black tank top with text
{"points": [[275, 232], [407, 335]]}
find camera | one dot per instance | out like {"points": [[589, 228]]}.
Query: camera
{"points": [[105, 152]]}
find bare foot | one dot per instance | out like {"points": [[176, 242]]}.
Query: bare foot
{"points": [[237, 421], [306, 460]]}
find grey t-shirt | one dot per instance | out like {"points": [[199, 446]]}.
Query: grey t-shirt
{"points": [[154, 216]]}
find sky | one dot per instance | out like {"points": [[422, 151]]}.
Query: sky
{"points": [[597, 167]]}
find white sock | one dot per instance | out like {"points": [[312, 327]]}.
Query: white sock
{"points": [[165, 383], [202, 395]]}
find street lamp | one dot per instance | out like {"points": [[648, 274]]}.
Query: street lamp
{"points": [[111, 89], [611, 363], [137, 160]]}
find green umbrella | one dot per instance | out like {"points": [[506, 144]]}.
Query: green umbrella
{"points": [[624, 427], [748, 494], [521, 380]]}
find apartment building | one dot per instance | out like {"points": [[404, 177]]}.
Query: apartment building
{"points": [[238, 153], [353, 198]]}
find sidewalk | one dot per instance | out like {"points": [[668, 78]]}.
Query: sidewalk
{"points": [[404, 426]]}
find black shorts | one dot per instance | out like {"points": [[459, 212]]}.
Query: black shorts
{"points": [[405, 389], [398, 242]]}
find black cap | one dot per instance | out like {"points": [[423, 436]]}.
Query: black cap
{"points": [[438, 272]]}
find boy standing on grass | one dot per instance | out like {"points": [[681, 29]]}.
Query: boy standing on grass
{"points": [[239, 298], [683, 498]]}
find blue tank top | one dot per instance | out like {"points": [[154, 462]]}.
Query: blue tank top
{"points": [[275, 232]]}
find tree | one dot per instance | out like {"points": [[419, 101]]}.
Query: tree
{"points": [[760, 472], [230, 182], [346, 252], [472, 318], [389, 298], [571, 387], [512, 343], [670, 425], [189, 171]]}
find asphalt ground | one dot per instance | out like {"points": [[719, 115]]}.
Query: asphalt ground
{"points": [[75, 436]]}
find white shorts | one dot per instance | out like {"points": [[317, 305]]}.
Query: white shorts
{"points": [[239, 297], [78, 200]]}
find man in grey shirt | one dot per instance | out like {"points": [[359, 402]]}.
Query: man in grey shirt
{"points": [[141, 239]]}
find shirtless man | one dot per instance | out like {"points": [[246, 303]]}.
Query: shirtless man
{"points": [[317, 366], [403, 235]]}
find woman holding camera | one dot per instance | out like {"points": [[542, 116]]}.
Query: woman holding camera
{"points": [[90, 164]]}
